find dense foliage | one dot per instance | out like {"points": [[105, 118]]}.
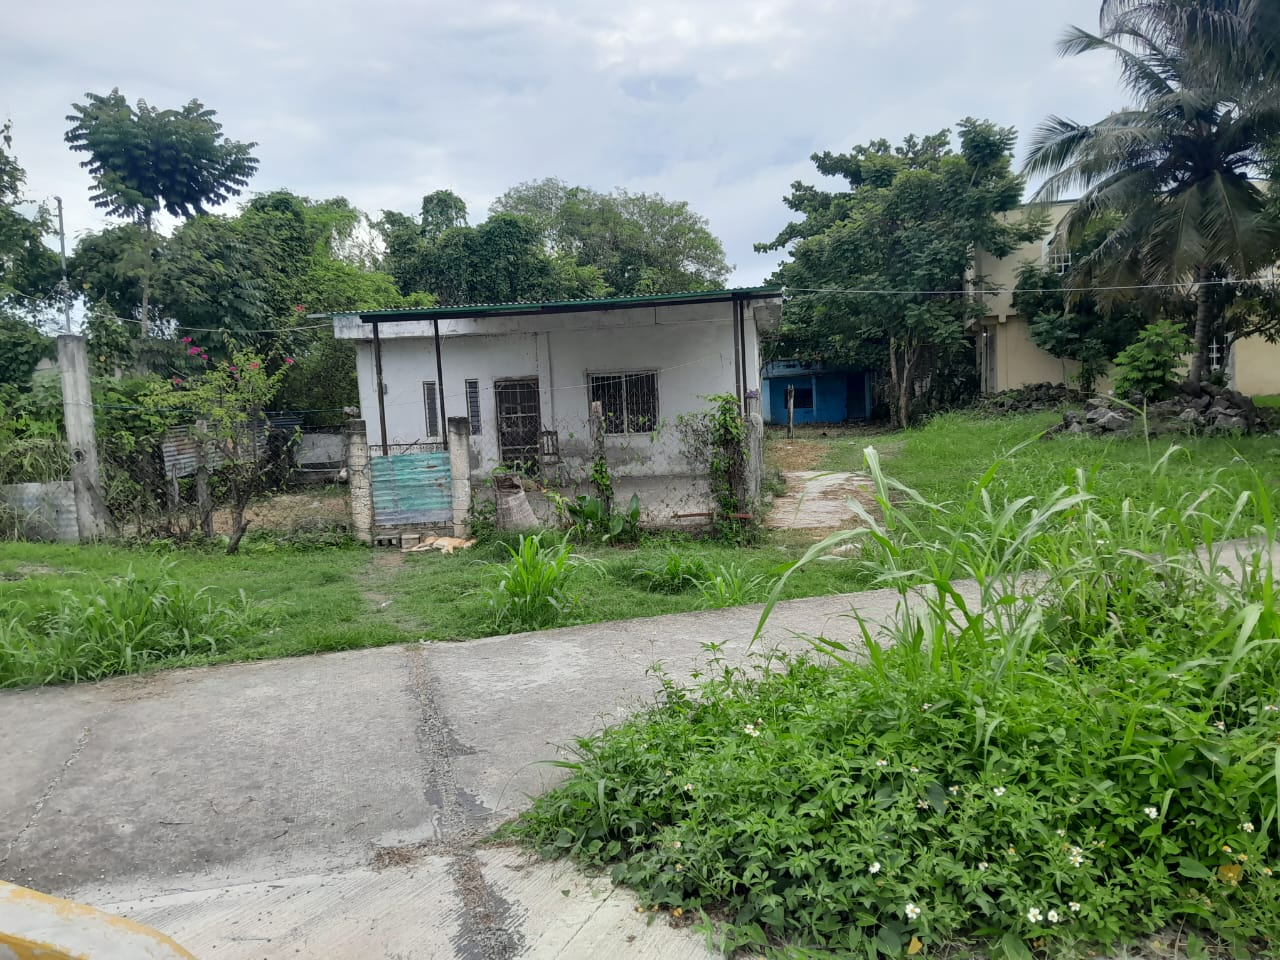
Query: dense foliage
{"points": [[884, 262], [640, 243], [1177, 171], [1066, 760]]}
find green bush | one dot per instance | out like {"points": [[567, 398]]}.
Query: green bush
{"points": [[675, 574], [732, 586], [121, 625], [1077, 749], [1149, 366], [532, 590]]}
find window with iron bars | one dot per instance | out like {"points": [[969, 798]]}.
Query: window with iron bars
{"points": [[1219, 348], [629, 401], [473, 406], [431, 404]]}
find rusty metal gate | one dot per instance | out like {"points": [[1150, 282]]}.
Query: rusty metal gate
{"points": [[519, 422]]}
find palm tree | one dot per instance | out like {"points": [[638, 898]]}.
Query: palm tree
{"points": [[1176, 166]]}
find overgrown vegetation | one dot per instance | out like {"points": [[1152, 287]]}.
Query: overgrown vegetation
{"points": [[1149, 366], [532, 589], [118, 625], [1076, 749], [717, 441]]}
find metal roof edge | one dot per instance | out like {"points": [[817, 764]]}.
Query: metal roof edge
{"points": [[564, 306]]}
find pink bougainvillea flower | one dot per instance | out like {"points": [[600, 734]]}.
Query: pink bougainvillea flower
{"points": [[254, 365], [204, 356], [192, 351], [299, 308], [186, 339], [288, 359], [232, 367], [177, 381]]}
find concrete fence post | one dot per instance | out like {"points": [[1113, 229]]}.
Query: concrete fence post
{"points": [[755, 450], [359, 480], [460, 473], [92, 519]]}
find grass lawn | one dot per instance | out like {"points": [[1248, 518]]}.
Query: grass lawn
{"points": [[335, 598], [943, 459], [339, 598]]}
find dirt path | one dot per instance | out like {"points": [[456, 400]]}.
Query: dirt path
{"points": [[816, 500]]}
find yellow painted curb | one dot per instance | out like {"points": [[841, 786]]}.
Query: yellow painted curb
{"points": [[34, 926]]}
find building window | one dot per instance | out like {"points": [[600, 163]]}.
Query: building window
{"points": [[1219, 348], [1060, 261], [803, 398], [473, 406], [629, 401], [431, 403]]}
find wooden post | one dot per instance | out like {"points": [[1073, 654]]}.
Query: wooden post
{"points": [[92, 519], [791, 411], [596, 429]]}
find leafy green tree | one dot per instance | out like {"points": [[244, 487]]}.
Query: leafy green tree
{"points": [[501, 260], [28, 274], [1176, 169], [144, 160], [908, 223], [1148, 367], [640, 243]]}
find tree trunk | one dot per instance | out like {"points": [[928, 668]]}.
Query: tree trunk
{"points": [[1204, 320], [238, 526]]}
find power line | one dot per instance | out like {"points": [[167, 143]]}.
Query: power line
{"points": [[1011, 290]]}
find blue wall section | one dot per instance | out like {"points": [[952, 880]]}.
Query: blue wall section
{"points": [[837, 396]]}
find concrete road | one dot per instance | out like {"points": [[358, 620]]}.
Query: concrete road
{"points": [[329, 806]]}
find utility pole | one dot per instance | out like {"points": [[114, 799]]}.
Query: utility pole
{"points": [[62, 252]]}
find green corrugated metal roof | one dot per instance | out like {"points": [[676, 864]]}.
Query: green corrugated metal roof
{"points": [[563, 306]]}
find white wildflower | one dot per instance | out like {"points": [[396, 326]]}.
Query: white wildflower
{"points": [[1034, 915], [1247, 827], [912, 911], [998, 791], [1053, 916], [1151, 812], [874, 868]]}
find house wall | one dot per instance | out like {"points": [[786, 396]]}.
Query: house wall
{"points": [[689, 348], [1255, 367]]}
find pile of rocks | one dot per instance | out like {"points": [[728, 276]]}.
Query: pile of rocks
{"points": [[1032, 397], [1197, 408]]}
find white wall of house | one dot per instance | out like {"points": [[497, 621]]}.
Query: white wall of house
{"points": [[689, 348]]}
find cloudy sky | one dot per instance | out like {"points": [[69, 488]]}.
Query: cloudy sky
{"points": [[717, 102]]}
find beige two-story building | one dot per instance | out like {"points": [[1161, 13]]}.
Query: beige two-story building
{"points": [[1007, 357]]}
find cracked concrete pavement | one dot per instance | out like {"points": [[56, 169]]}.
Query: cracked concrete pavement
{"points": [[330, 806]]}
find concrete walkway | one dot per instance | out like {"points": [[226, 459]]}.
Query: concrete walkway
{"points": [[819, 500], [328, 806]]}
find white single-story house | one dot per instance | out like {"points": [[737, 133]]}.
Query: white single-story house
{"points": [[525, 376]]}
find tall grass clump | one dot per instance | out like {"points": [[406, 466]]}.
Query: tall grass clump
{"points": [[118, 625], [1058, 742], [532, 588]]}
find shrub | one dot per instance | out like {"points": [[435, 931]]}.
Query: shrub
{"points": [[591, 520], [1077, 748], [675, 574], [532, 592], [121, 625], [1149, 366], [731, 586]]}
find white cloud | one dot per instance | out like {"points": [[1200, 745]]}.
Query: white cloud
{"points": [[717, 102]]}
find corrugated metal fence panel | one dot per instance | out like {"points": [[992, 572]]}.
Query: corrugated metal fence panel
{"points": [[411, 488]]}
